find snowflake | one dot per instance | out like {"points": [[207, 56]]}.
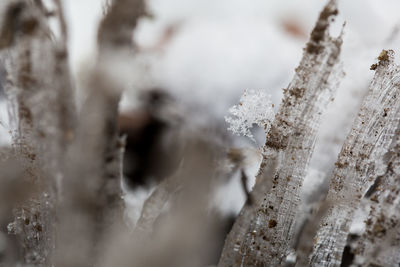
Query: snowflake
{"points": [[255, 107]]}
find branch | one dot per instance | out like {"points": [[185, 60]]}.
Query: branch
{"points": [[42, 129], [263, 232], [361, 157], [379, 243], [93, 195]]}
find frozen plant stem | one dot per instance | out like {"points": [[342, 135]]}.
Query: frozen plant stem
{"points": [[96, 201], [42, 131], [360, 160], [379, 243], [154, 205], [262, 234]]}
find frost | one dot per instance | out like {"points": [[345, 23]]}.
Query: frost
{"points": [[14, 228], [255, 107]]}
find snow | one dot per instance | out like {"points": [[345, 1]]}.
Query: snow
{"points": [[255, 107]]}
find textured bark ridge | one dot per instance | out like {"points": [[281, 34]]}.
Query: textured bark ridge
{"points": [[41, 131], [154, 205], [263, 233], [48, 137], [360, 162], [94, 191], [379, 244]]}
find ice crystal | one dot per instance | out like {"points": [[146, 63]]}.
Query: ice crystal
{"points": [[255, 107]]}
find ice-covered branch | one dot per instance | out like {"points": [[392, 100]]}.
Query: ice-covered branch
{"points": [[93, 188], [40, 96], [263, 232], [154, 205], [360, 160], [378, 241]]}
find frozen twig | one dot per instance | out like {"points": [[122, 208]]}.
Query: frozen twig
{"points": [[360, 160], [155, 203], [263, 232], [378, 243], [115, 40], [42, 130], [93, 188]]}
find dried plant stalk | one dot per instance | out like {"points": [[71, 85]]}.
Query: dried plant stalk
{"points": [[378, 244], [42, 130], [263, 232], [154, 205], [95, 202], [115, 43], [360, 160]]}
